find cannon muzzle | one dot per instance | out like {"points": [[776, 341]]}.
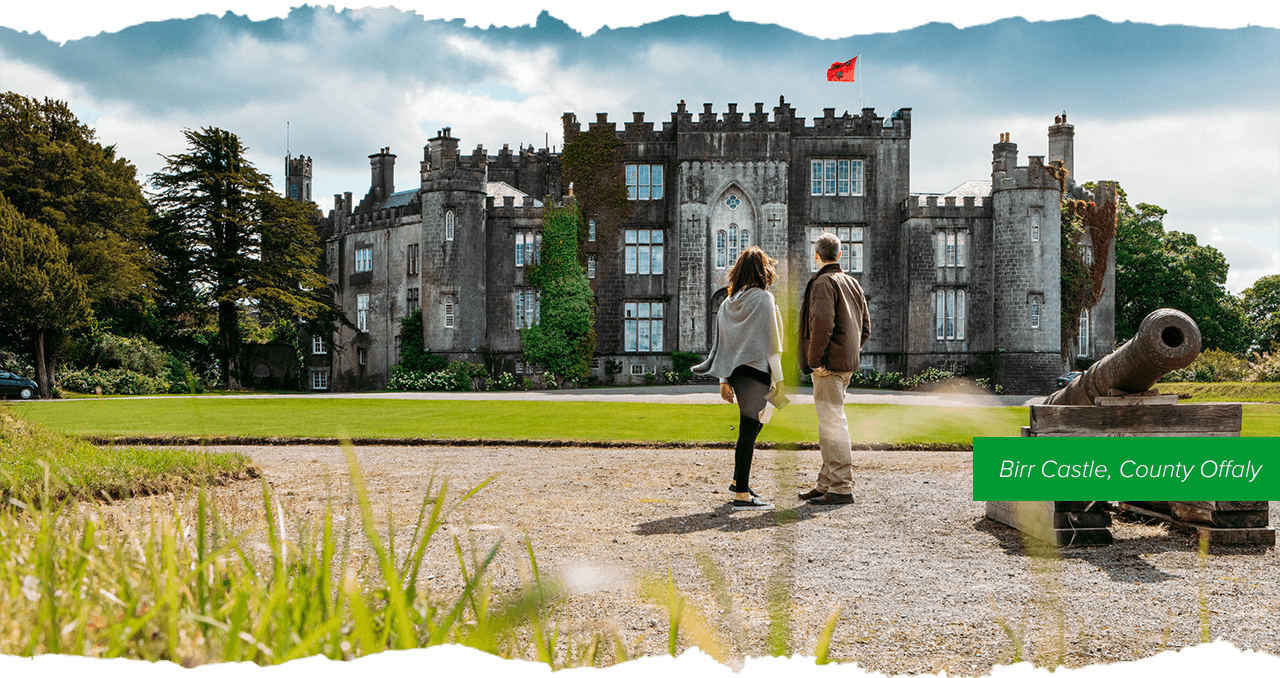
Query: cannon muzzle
{"points": [[1167, 340]]}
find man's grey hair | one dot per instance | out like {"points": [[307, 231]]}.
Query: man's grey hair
{"points": [[827, 247]]}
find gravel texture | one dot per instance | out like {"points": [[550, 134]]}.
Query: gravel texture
{"points": [[922, 581]]}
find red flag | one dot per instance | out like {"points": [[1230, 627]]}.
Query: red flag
{"points": [[842, 72]]}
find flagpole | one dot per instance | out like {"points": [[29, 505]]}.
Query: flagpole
{"points": [[861, 103]]}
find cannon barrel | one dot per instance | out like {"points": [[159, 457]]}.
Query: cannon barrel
{"points": [[1167, 340]]}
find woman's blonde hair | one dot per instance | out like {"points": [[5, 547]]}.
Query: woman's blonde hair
{"points": [[753, 268]]}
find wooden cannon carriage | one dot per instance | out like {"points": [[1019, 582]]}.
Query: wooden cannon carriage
{"points": [[1114, 398]]}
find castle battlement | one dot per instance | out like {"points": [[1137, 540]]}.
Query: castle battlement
{"points": [[508, 208], [927, 207], [865, 124], [297, 167]]}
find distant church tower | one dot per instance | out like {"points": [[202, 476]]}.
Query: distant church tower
{"points": [[297, 178]]}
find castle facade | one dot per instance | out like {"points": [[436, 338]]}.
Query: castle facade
{"points": [[967, 280]]}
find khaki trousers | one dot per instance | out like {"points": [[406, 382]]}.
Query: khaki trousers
{"points": [[836, 475]]}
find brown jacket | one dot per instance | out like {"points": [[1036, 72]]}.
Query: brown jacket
{"points": [[834, 324]]}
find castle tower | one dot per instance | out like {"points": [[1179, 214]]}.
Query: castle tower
{"points": [[297, 178], [1026, 249], [1062, 145], [454, 249]]}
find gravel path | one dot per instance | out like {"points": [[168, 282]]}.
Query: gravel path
{"points": [[923, 581]]}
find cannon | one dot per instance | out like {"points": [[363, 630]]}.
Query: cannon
{"points": [[1114, 397], [1167, 340]]}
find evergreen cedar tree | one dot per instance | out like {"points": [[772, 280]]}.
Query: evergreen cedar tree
{"points": [[244, 243]]}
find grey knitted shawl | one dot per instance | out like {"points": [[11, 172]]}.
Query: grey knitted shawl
{"points": [[748, 331]]}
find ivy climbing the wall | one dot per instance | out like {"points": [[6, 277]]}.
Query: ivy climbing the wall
{"points": [[592, 163], [564, 339], [1082, 279]]}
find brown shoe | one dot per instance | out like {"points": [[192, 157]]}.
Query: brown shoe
{"points": [[811, 494], [832, 498]]}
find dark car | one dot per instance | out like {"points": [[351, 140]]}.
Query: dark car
{"points": [[1068, 378], [14, 385]]}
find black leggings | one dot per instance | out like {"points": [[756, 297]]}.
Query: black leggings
{"points": [[750, 386]]}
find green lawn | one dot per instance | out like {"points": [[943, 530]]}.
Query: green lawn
{"points": [[1235, 391], [521, 420], [78, 469]]}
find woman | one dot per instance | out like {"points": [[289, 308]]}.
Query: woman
{"points": [[746, 354]]}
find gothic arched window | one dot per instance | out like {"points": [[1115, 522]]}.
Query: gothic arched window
{"points": [[721, 242], [744, 238], [733, 244], [448, 225]]}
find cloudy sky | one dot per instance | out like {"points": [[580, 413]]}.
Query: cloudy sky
{"points": [[1180, 106]]}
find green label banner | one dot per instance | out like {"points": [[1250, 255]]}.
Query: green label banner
{"points": [[1126, 469]]}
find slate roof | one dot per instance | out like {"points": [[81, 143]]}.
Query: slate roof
{"points": [[398, 199], [980, 189], [500, 189]]}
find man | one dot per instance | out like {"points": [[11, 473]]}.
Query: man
{"points": [[834, 326]]}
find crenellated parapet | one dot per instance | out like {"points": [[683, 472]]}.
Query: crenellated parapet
{"points": [[297, 167], [783, 120], [508, 209], [928, 207]]}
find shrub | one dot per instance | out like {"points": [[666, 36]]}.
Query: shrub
{"points": [[681, 362], [112, 382], [1211, 365], [1265, 367], [929, 375]]}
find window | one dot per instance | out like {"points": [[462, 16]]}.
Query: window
{"points": [[952, 249], [591, 230], [850, 246], [528, 245], [527, 302], [835, 177], [949, 314], [1088, 255], [643, 327], [595, 363], [317, 346], [644, 182], [364, 259], [362, 356], [293, 191], [413, 259], [591, 266], [1035, 225], [637, 369], [448, 225], [413, 300], [448, 312], [729, 242], [319, 380], [644, 252], [1084, 334], [1035, 314], [362, 312]]}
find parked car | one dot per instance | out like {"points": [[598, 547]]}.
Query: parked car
{"points": [[14, 385], [1068, 378]]}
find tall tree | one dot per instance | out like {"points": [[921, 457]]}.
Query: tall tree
{"points": [[53, 171], [565, 337], [1261, 304], [39, 289], [239, 242], [1159, 269]]}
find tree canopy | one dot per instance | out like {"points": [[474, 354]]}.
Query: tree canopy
{"points": [[1261, 304], [54, 172], [1169, 269], [234, 241], [565, 338]]}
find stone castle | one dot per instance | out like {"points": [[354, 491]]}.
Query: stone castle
{"points": [[966, 281]]}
